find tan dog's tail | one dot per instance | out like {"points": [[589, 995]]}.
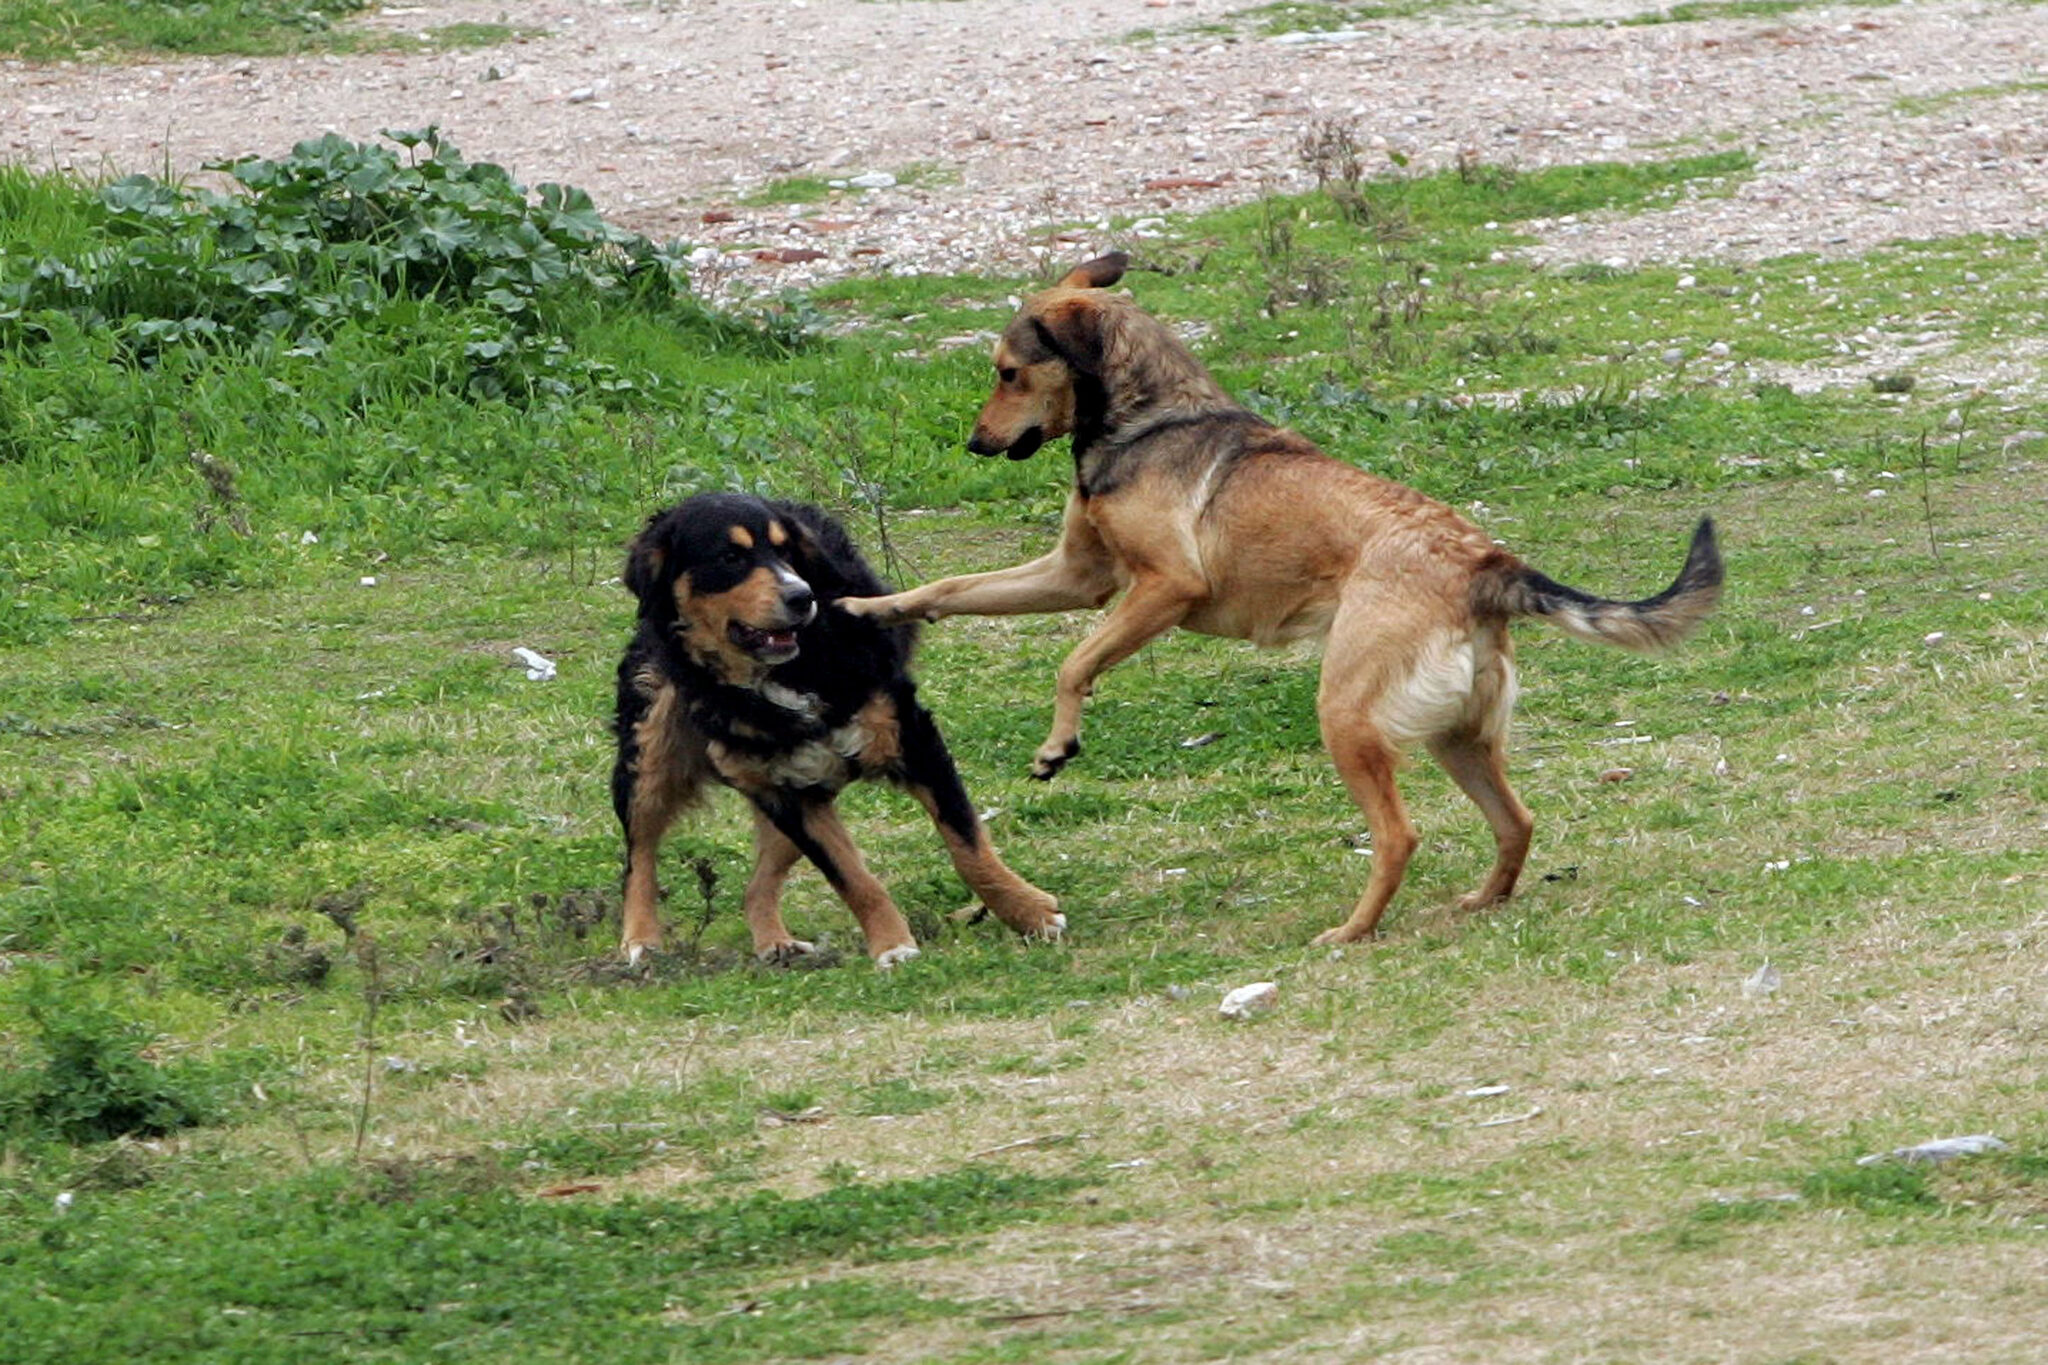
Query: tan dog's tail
{"points": [[1512, 588]]}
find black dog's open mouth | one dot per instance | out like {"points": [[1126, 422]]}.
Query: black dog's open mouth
{"points": [[770, 646]]}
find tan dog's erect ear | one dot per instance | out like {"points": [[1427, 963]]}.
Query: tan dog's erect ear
{"points": [[1072, 330], [1100, 273]]}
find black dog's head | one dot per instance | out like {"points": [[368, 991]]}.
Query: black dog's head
{"points": [[726, 574]]}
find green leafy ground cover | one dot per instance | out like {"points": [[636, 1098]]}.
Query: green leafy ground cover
{"points": [[315, 1046]]}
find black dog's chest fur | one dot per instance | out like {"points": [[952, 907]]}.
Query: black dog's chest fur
{"points": [[811, 724], [779, 735]]}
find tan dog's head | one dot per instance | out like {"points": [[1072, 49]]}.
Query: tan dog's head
{"points": [[1050, 348], [717, 571]]}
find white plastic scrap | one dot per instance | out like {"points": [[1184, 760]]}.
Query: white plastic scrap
{"points": [[1765, 981], [1940, 1149], [537, 668], [1247, 1001]]}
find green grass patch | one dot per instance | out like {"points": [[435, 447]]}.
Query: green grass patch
{"points": [[46, 30], [1704, 11], [1920, 106], [80, 1073], [1291, 16], [405, 1259], [801, 189]]}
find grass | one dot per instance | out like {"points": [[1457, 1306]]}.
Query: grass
{"points": [[307, 890], [1291, 16], [816, 189], [1923, 106], [440, 1259], [47, 30], [1699, 11]]}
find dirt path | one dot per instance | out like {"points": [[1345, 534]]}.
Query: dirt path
{"points": [[1870, 123]]}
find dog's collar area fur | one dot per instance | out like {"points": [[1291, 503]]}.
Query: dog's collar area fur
{"points": [[1105, 464], [1130, 435]]}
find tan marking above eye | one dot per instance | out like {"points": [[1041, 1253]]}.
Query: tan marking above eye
{"points": [[742, 537], [776, 535]]}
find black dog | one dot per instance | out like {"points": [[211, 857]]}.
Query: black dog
{"points": [[740, 673]]}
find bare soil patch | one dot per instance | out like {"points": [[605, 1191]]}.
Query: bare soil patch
{"points": [[1012, 133]]}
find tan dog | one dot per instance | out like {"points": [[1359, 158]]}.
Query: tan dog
{"points": [[1208, 517]]}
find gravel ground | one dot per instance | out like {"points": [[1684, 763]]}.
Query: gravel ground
{"points": [[1870, 123]]}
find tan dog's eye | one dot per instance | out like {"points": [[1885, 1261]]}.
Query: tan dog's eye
{"points": [[1008, 374]]}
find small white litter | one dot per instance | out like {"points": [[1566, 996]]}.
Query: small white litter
{"points": [[1333, 35], [537, 668], [1764, 981], [1940, 1149], [1247, 1001]]}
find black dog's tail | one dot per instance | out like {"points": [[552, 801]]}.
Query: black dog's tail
{"points": [[1512, 588]]}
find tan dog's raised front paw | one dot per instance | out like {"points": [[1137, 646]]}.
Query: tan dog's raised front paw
{"points": [[887, 611]]}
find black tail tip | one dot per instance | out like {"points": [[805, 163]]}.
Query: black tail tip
{"points": [[1703, 557]]}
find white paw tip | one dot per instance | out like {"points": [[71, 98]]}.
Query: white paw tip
{"points": [[896, 956], [634, 952]]}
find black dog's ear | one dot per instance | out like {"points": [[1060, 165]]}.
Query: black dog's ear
{"points": [[824, 555], [1100, 273], [645, 559]]}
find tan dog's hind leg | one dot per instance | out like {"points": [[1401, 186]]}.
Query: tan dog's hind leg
{"points": [[1154, 605], [1474, 752], [774, 856], [1364, 703], [1367, 764], [1478, 766]]}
